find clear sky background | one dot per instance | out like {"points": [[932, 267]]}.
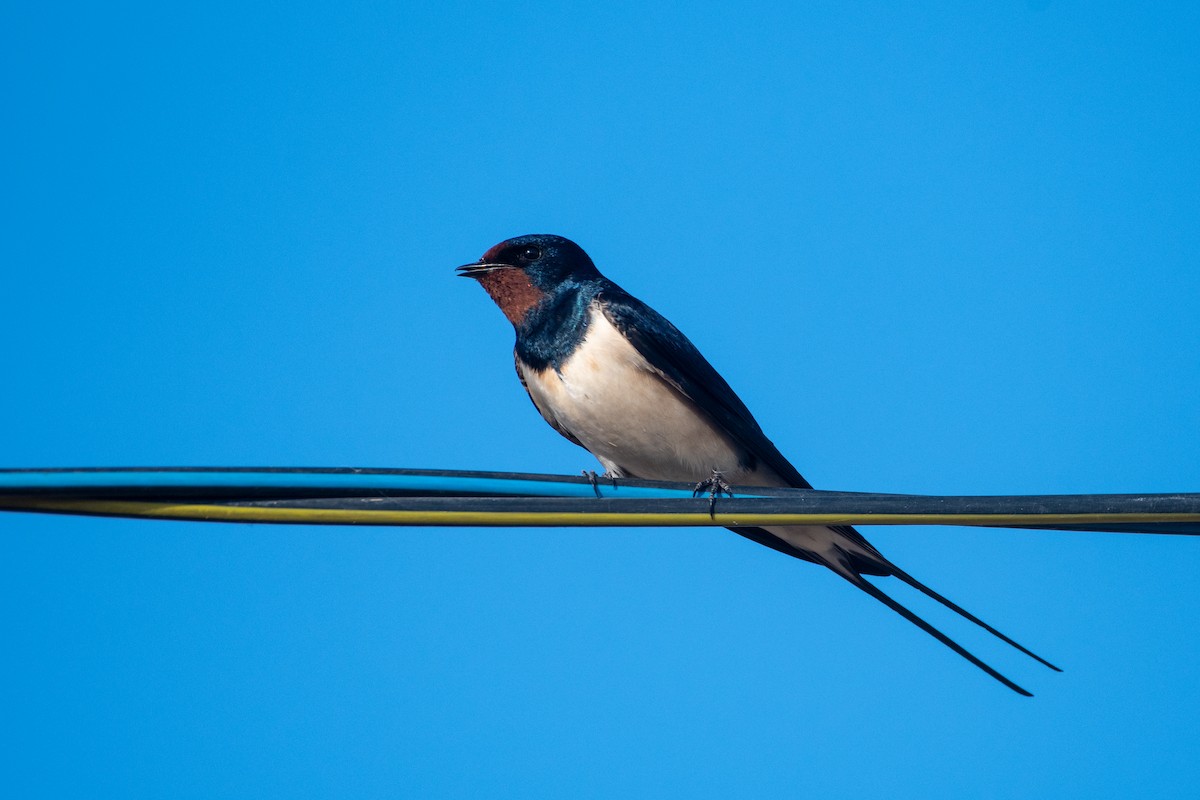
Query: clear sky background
{"points": [[947, 249]]}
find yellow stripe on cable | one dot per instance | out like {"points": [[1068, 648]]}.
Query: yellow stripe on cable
{"points": [[310, 516]]}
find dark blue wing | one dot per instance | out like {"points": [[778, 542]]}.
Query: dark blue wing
{"points": [[672, 354]]}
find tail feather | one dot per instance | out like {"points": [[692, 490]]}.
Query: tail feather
{"points": [[916, 584], [851, 557], [859, 554], [879, 595]]}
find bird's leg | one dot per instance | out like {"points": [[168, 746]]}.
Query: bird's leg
{"points": [[590, 474], [715, 484], [594, 480]]}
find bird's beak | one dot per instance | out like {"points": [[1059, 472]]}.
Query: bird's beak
{"points": [[478, 268]]}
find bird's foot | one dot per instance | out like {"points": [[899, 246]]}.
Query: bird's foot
{"points": [[714, 484], [594, 480]]}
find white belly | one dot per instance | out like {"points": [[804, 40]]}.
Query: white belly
{"points": [[626, 415], [638, 425]]}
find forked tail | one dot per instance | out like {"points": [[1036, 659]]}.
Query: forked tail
{"points": [[878, 594], [916, 584]]}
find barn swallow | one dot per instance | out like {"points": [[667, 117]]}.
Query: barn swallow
{"points": [[616, 378]]}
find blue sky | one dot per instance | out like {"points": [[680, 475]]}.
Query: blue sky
{"points": [[949, 249]]}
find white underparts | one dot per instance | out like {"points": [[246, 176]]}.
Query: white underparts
{"points": [[626, 414], [636, 423]]}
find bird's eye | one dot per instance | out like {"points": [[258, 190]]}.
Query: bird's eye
{"points": [[530, 254]]}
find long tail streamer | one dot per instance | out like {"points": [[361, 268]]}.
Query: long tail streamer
{"points": [[451, 498]]}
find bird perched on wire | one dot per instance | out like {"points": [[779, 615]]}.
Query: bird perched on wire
{"points": [[616, 378]]}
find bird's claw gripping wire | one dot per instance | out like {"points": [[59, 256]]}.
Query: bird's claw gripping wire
{"points": [[714, 484], [594, 480]]}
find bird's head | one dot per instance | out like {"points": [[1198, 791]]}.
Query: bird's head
{"points": [[520, 273]]}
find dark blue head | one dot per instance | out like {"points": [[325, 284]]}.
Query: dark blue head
{"points": [[522, 272]]}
